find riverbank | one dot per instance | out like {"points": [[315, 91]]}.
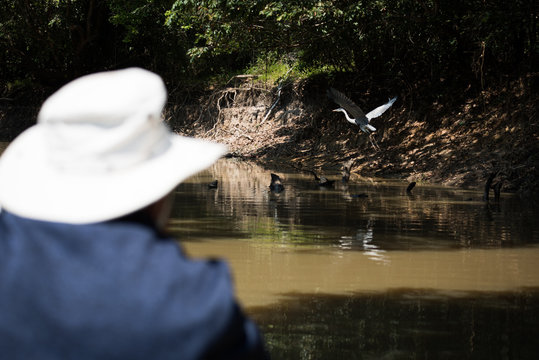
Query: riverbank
{"points": [[456, 140], [456, 137]]}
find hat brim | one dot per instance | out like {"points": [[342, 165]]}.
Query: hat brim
{"points": [[32, 189]]}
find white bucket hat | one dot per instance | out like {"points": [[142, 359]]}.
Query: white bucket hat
{"points": [[99, 151]]}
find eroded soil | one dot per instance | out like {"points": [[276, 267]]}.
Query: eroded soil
{"points": [[456, 140], [458, 143]]}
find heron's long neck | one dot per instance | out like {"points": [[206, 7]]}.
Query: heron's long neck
{"points": [[353, 121]]}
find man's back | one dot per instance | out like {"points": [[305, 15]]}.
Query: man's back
{"points": [[113, 290]]}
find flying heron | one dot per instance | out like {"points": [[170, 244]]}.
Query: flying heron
{"points": [[354, 114]]}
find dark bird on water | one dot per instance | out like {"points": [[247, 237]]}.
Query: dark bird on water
{"points": [[213, 184], [410, 187], [276, 184], [354, 114], [322, 180], [497, 187]]}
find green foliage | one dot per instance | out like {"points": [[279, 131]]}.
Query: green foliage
{"points": [[146, 41], [28, 33], [409, 40], [270, 68], [214, 29], [405, 41]]}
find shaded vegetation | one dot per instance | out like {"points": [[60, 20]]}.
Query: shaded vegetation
{"points": [[403, 42]]}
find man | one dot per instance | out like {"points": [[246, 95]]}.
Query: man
{"points": [[86, 271]]}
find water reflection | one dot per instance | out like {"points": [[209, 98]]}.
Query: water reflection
{"points": [[432, 218], [367, 271], [403, 324], [363, 240], [371, 250]]}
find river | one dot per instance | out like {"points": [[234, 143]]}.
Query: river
{"points": [[366, 270]]}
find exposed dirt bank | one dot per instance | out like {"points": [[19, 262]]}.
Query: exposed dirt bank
{"points": [[440, 140], [454, 139]]}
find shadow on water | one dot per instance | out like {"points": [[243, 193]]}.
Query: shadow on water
{"points": [[403, 324]]}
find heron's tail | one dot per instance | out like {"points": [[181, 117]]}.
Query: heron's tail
{"points": [[367, 128], [370, 127]]}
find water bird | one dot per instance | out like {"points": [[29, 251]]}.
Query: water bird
{"points": [[276, 184], [322, 181], [410, 187], [497, 187], [213, 184], [354, 114]]}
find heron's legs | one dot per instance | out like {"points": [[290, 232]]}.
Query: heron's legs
{"points": [[374, 143]]}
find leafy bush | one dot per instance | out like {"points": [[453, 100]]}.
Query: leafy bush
{"points": [[435, 41]]}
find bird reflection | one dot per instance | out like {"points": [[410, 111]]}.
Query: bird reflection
{"points": [[371, 250], [363, 240]]}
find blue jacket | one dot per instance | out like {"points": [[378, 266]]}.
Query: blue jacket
{"points": [[113, 290]]}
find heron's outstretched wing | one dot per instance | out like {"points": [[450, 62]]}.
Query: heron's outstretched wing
{"points": [[380, 109], [353, 110]]}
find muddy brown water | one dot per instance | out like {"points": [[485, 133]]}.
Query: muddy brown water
{"points": [[367, 271]]}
